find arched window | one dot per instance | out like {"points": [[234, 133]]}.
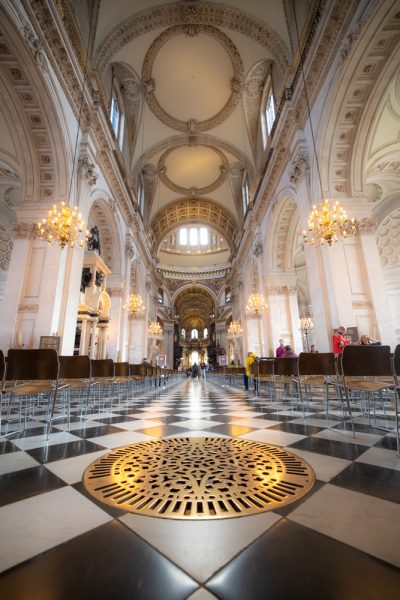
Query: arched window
{"points": [[205, 332], [141, 196], [267, 111], [183, 333], [195, 334], [245, 193], [117, 119]]}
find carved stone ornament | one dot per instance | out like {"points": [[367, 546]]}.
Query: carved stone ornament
{"points": [[367, 225], [35, 45], [28, 308], [25, 231], [299, 167], [86, 170], [130, 248], [115, 292], [258, 249], [281, 290]]}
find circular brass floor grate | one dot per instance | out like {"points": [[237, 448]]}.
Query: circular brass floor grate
{"points": [[198, 478]]}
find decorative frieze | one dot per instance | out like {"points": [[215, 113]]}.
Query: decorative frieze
{"points": [[115, 292], [28, 308], [25, 231], [281, 290]]}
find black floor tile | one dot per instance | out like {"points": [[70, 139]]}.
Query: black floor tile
{"points": [[291, 562], [7, 447], [284, 511], [360, 427], [169, 419], [388, 442], [27, 482], [369, 479], [105, 563], [299, 428], [60, 451], [90, 432], [111, 510], [330, 448], [117, 419]]}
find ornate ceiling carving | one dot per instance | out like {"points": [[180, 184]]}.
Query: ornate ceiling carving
{"points": [[193, 191], [203, 139], [194, 306], [201, 210], [194, 14], [150, 86]]}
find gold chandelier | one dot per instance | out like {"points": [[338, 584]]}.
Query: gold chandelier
{"points": [[305, 323], [328, 224], [235, 329], [256, 303], [154, 329], [134, 304], [64, 226]]}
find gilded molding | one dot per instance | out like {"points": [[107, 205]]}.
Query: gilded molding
{"points": [[25, 231], [28, 308]]}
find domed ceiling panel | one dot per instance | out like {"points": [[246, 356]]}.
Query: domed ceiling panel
{"points": [[192, 76], [193, 170]]}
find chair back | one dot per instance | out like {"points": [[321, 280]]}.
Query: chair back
{"points": [[265, 367], [366, 361], [396, 360], [102, 367], [138, 370], [121, 369], [321, 363], [285, 366], [2, 368], [254, 369], [24, 365], [74, 367]]}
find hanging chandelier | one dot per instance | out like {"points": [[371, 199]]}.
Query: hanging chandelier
{"points": [[327, 224], [256, 303], [134, 304], [155, 330], [235, 329], [64, 226]]}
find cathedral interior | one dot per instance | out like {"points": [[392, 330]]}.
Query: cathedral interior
{"points": [[184, 183]]}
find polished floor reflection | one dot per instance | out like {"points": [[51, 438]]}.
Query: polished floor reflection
{"points": [[339, 541]]}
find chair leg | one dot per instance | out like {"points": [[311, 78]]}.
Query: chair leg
{"points": [[349, 410]]}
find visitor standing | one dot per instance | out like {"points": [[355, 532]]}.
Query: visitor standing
{"points": [[280, 351], [251, 357], [339, 341]]}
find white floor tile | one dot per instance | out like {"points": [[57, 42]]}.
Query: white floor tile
{"points": [[364, 439], [198, 414], [196, 424], [37, 524], [200, 548], [257, 423], [325, 467], [115, 440], [362, 521], [277, 438], [16, 461], [244, 413], [40, 441], [202, 594], [71, 470], [139, 424], [381, 457]]}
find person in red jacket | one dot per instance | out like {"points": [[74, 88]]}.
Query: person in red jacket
{"points": [[339, 342]]}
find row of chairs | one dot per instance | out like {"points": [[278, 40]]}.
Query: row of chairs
{"points": [[363, 376], [30, 378]]}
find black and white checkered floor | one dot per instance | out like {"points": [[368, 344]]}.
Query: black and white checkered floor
{"points": [[340, 541]]}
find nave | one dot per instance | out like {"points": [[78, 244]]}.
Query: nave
{"points": [[340, 540]]}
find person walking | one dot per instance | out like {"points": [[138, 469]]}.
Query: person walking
{"points": [[203, 368]]}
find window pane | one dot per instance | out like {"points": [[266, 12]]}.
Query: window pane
{"points": [[183, 236], [203, 236], [270, 112], [121, 131], [193, 236], [114, 114]]}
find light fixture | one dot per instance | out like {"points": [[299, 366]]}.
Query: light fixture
{"points": [[256, 302], [235, 329], [305, 324], [327, 223], [64, 226], [134, 304], [155, 330]]}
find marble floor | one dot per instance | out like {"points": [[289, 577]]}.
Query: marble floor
{"points": [[342, 540]]}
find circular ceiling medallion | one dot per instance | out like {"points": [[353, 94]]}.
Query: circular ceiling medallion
{"points": [[199, 478], [194, 84], [202, 167]]}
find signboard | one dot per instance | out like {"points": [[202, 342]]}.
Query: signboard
{"points": [[223, 360], [51, 342], [162, 360]]}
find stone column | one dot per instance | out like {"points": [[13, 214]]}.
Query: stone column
{"points": [[85, 335], [93, 332], [169, 342]]}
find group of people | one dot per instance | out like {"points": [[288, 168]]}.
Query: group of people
{"points": [[339, 341], [196, 369]]}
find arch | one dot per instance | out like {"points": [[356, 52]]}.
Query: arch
{"points": [[187, 210], [252, 98], [206, 13], [102, 215], [281, 233]]}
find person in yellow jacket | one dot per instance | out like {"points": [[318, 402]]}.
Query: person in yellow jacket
{"points": [[251, 357]]}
